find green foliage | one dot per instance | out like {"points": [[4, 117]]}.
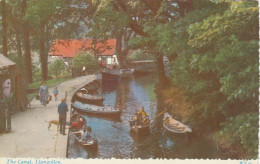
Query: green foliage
{"points": [[140, 55], [242, 130], [37, 73], [57, 68], [215, 50], [86, 60], [19, 60], [50, 83]]}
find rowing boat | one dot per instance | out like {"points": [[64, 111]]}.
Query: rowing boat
{"points": [[91, 143], [174, 126], [91, 87], [140, 129], [96, 110], [75, 116], [87, 98]]}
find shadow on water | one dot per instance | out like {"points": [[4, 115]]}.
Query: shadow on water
{"points": [[116, 140]]}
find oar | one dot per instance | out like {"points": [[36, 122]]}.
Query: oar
{"points": [[157, 115]]}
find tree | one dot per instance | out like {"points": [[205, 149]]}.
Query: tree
{"points": [[4, 27], [86, 60], [47, 19], [215, 51], [57, 67]]}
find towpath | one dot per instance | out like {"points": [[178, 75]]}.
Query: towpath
{"points": [[30, 136]]}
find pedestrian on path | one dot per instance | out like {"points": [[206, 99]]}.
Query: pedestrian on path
{"points": [[5, 104], [62, 110], [43, 93], [56, 92]]}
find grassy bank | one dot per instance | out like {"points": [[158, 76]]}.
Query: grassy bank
{"points": [[50, 83]]}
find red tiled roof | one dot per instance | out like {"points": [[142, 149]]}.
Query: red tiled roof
{"points": [[70, 48]]}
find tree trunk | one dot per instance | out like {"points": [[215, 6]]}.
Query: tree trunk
{"points": [[18, 41], [43, 58], [121, 49], [161, 72], [27, 48], [119, 54], [4, 32]]}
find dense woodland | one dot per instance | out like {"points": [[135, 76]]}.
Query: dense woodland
{"points": [[212, 47]]}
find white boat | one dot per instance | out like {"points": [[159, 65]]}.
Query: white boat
{"points": [[175, 126]]}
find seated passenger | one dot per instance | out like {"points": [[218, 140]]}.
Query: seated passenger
{"points": [[145, 120], [86, 134], [142, 112], [134, 121], [77, 125]]}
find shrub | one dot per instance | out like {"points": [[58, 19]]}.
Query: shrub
{"points": [[241, 130], [139, 55], [57, 68], [84, 59]]}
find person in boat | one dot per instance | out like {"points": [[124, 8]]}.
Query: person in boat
{"points": [[145, 120], [86, 134], [77, 125], [134, 121], [142, 112]]}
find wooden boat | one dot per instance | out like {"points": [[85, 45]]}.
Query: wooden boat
{"points": [[97, 110], [127, 73], [91, 88], [111, 77], [174, 126], [141, 129], [75, 116], [87, 98], [83, 90], [92, 143]]}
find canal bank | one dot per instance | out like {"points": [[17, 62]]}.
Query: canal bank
{"points": [[30, 136]]}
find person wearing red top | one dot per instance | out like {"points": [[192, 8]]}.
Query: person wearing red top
{"points": [[77, 125]]}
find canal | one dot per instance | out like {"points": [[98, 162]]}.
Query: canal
{"points": [[115, 139]]}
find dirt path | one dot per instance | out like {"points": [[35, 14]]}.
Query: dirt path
{"points": [[30, 136]]}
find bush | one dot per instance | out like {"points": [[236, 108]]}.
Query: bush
{"points": [[57, 68], [139, 55], [84, 59], [241, 130], [37, 73]]}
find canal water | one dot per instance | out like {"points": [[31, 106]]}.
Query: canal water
{"points": [[115, 139]]}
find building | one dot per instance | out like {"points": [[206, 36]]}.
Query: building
{"points": [[68, 49], [9, 70], [12, 91]]}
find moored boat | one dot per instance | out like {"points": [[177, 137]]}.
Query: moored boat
{"points": [[142, 129], [75, 116], [127, 73], [97, 110], [91, 143], [111, 77], [175, 126], [87, 98]]}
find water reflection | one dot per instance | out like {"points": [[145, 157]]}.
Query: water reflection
{"points": [[116, 140]]}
